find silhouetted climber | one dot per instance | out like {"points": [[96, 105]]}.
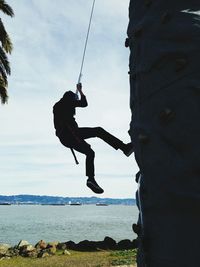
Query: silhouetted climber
{"points": [[72, 136]]}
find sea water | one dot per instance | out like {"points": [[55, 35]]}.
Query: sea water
{"points": [[64, 223]]}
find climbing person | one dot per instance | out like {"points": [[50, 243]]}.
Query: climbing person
{"points": [[72, 136]]}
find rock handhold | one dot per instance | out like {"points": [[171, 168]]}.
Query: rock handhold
{"points": [[148, 3], [136, 228], [165, 17], [127, 42], [167, 115], [181, 63]]}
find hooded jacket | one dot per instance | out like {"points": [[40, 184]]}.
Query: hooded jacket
{"points": [[64, 111]]}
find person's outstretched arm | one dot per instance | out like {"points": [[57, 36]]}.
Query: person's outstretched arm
{"points": [[83, 101]]}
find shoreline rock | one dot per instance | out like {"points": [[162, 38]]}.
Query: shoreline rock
{"points": [[44, 249]]}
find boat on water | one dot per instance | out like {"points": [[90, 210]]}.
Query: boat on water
{"points": [[101, 204], [75, 204]]}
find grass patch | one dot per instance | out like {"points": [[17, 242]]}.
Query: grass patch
{"points": [[125, 257], [76, 259]]}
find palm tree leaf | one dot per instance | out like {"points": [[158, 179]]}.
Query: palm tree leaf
{"points": [[5, 47], [3, 91], [3, 75], [5, 8], [8, 46], [5, 39], [4, 61]]}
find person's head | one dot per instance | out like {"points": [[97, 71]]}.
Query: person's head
{"points": [[69, 96]]}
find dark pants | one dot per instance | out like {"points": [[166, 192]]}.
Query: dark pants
{"points": [[81, 146]]}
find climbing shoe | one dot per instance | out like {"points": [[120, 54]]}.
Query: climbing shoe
{"points": [[92, 184], [128, 149]]}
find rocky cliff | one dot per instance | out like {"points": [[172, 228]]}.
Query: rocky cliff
{"points": [[164, 41]]}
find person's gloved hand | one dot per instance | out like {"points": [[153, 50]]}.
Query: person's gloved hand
{"points": [[79, 88]]}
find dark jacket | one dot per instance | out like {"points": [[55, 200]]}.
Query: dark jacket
{"points": [[64, 111]]}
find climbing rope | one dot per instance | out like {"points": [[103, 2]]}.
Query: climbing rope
{"points": [[86, 42], [82, 62]]}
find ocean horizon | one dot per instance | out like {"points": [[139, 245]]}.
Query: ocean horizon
{"points": [[45, 199]]}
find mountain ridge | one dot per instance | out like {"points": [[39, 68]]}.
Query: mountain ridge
{"points": [[45, 199]]}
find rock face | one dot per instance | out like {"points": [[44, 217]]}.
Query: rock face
{"points": [[164, 40]]}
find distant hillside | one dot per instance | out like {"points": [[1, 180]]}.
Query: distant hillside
{"points": [[32, 199]]}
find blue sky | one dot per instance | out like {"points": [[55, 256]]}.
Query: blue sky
{"points": [[48, 38]]}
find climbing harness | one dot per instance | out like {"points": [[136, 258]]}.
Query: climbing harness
{"points": [[86, 43], [82, 62]]}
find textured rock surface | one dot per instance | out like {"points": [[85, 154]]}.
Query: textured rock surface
{"points": [[164, 40], [41, 245], [43, 249], [4, 249], [22, 243]]}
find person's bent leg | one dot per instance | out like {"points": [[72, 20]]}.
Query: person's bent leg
{"points": [[106, 137], [103, 134]]}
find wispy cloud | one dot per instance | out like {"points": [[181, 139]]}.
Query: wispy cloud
{"points": [[48, 39]]}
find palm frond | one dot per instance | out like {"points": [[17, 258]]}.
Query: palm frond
{"points": [[4, 61], [5, 47], [7, 44], [3, 91], [5, 8], [3, 75], [5, 39]]}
